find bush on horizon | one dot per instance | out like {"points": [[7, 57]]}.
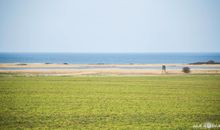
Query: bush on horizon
{"points": [[186, 69]]}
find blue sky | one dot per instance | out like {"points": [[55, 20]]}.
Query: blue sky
{"points": [[110, 26]]}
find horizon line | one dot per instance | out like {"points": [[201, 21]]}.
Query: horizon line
{"points": [[108, 52]]}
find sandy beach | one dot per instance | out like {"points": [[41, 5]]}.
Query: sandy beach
{"points": [[105, 69]]}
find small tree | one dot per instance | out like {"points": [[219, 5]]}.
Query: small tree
{"points": [[186, 69]]}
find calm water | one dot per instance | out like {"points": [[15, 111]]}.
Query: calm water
{"points": [[107, 58]]}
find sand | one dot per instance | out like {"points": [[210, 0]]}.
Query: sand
{"points": [[62, 69]]}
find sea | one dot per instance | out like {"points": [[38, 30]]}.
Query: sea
{"points": [[108, 58]]}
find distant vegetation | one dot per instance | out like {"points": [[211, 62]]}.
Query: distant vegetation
{"points": [[186, 69], [22, 64], [208, 62]]}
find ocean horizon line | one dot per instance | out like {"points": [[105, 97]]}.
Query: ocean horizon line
{"points": [[113, 52]]}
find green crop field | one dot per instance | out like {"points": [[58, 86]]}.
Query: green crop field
{"points": [[109, 102]]}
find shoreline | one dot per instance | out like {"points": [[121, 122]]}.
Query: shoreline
{"points": [[69, 65], [104, 69]]}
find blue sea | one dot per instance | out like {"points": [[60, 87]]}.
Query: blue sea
{"points": [[108, 58]]}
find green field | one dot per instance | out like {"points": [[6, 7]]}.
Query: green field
{"points": [[109, 102]]}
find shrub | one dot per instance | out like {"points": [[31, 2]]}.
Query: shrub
{"points": [[186, 69]]}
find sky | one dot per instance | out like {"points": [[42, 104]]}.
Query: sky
{"points": [[110, 26]]}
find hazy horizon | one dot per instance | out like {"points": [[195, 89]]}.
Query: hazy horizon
{"points": [[112, 52], [116, 26]]}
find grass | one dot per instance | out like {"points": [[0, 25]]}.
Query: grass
{"points": [[123, 102]]}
